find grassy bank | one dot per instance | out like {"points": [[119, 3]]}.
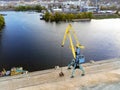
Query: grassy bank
{"points": [[2, 22]]}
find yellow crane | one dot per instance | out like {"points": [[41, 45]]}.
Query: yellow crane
{"points": [[78, 58], [69, 30]]}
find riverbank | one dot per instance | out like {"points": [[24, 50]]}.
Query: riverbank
{"points": [[97, 73], [105, 16]]}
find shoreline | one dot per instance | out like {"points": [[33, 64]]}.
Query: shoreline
{"points": [[105, 71], [95, 16]]}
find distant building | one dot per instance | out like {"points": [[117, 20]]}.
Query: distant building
{"points": [[3, 3], [57, 10], [89, 9]]}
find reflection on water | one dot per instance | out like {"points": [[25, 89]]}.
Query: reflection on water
{"points": [[34, 44]]}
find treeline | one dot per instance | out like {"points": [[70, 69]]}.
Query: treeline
{"points": [[66, 17], [109, 8], [37, 8], [2, 22], [105, 16]]}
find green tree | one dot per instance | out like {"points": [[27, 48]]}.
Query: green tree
{"points": [[78, 16], [51, 18], [63, 17], [26, 8], [38, 8], [66, 17], [46, 16], [58, 17], [69, 17], [2, 22], [90, 15]]}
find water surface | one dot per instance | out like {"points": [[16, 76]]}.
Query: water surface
{"points": [[34, 44]]}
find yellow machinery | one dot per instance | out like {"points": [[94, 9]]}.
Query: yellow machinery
{"points": [[17, 71], [13, 71], [68, 32], [3, 72], [78, 58]]}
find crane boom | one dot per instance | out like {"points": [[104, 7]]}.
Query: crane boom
{"points": [[69, 32]]}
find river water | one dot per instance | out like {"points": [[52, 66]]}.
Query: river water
{"points": [[35, 44]]}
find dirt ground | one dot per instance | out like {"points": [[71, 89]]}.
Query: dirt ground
{"points": [[101, 75]]}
